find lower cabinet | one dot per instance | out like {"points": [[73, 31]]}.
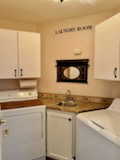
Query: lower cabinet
{"points": [[24, 134], [60, 135]]}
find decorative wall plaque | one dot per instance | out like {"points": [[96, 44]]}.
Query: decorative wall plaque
{"points": [[72, 70]]}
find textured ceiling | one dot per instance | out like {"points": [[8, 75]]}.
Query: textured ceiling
{"points": [[37, 11]]}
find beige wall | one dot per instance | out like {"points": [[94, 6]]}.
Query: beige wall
{"points": [[55, 47], [13, 84], [61, 47]]}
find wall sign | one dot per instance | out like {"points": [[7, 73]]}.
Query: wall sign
{"points": [[73, 29]]}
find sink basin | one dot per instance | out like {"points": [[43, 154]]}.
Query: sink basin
{"points": [[68, 103]]}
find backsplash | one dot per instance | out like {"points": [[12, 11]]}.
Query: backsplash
{"points": [[77, 98]]}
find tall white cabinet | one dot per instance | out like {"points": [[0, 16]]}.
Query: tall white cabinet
{"points": [[107, 49], [20, 54], [60, 135]]}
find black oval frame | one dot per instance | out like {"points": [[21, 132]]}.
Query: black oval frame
{"points": [[81, 64]]}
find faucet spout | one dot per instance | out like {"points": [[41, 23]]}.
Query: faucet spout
{"points": [[68, 92], [68, 96], [68, 99]]}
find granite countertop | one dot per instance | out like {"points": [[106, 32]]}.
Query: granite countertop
{"points": [[19, 104], [52, 104], [80, 107]]}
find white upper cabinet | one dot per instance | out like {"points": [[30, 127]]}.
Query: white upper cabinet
{"points": [[107, 49], [8, 54], [29, 54], [19, 54]]}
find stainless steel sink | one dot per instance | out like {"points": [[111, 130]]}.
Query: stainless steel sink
{"points": [[67, 103]]}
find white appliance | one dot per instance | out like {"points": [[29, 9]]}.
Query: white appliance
{"points": [[18, 95], [24, 131], [98, 134]]}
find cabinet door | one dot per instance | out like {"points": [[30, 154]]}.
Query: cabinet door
{"points": [[25, 138], [29, 54], [59, 136], [107, 49], [8, 54]]}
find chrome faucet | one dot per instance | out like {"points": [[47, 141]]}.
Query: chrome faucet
{"points": [[68, 99], [68, 96]]}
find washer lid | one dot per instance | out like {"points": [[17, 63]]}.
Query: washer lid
{"points": [[106, 122]]}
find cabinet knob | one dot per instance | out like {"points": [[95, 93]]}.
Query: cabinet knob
{"points": [[15, 72], [21, 72], [69, 119], [115, 72]]}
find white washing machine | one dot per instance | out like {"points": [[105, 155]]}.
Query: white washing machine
{"points": [[98, 134]]}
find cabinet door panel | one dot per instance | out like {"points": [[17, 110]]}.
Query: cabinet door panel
{"points": [[59, 136], [107, 49], [29, 54], [25, 139], [8, 54]]}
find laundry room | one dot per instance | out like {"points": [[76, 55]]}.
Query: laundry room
{"points": [[59, 80]]}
